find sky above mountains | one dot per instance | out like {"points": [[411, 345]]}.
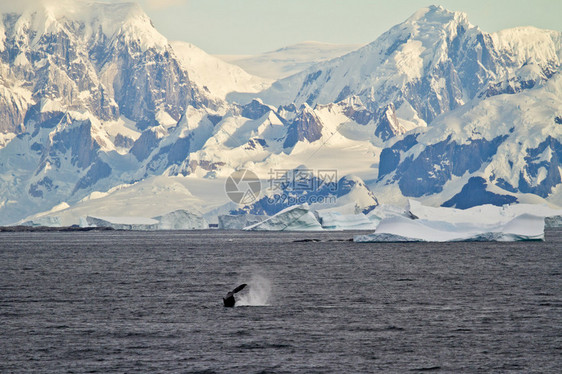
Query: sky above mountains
{"points": [[255, 26]]}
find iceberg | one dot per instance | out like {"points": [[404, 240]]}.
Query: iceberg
{"points": [[553, 221], [293, 218], [47, 221], [123, 223], [402, 229], [482, 214], [331, 220], [239, 221], [176, 220], [181, 220]]}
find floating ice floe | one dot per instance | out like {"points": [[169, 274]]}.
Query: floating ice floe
{"points": [[403, 229], [293, 218], [239, 221]]}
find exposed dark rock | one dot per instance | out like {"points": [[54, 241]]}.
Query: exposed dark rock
{"points": [[437, 163], [255, 142], [390, 157], [388, 125], [78, 139], [306, 125], [474, 193], [97, 171], [178, 151], [534, 163], [123, 141], [303, 185], [145, 144], [214, 119], [255, 110]]}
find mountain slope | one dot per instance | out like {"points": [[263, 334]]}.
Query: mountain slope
{"points": [[215, 75]]}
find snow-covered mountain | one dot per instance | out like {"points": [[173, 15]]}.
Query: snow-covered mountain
{"points": [[79, 85], [289, 60], [432, 63], [488, 151], [100, 114]]}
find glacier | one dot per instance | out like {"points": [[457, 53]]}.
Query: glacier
{"points": [[417, 222]]}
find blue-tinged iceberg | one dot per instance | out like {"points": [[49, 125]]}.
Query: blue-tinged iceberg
{"points": [[239, 221], [332, 220], [403, 229]]}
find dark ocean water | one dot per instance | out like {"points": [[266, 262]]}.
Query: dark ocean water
{"points": [[149, 302]]}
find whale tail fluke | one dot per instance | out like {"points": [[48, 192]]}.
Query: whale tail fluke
{"points": [[239, 288], [229, 300]]}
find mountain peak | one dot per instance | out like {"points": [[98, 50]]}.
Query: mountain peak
{"points": [[127, 20], [437, 14]]}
